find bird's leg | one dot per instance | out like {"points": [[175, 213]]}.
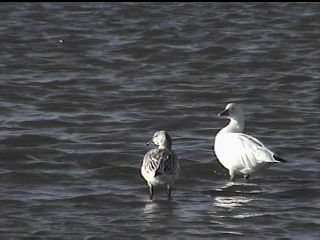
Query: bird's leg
{"points": [[151, 191], [169, 191], [232, 177], [246, 177]]}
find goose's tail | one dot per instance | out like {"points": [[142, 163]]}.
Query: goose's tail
{"points": [[276, 157]]}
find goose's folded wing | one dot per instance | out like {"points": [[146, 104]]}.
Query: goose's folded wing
{"points": [[160, 160], [167, 162], [151, 161], [247, 151]]}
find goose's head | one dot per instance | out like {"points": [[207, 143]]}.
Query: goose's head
{"points": [[161, 139], [233, 112]]}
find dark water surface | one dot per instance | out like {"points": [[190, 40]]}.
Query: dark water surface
{"points": [[83, 86]]}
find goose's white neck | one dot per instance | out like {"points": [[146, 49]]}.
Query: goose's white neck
{"points": [[164, 146], [234, 126]]}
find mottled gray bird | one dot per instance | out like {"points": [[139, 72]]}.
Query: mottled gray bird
{"points": [[160, 165]]}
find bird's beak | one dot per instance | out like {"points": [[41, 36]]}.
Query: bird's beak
{"points": [[149, 142], [225, 113]]}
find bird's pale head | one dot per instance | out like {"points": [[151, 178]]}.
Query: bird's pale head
{"points": [[162, 139], [232, 111]]}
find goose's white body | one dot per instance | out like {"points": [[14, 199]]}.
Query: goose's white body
{"points": [[238, 152]]}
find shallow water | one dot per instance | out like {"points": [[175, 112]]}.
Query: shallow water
{"points": [[85, 85]]}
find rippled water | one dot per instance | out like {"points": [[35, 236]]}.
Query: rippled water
{"points": [[84, 85]]}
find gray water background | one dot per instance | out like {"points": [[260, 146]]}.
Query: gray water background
{"points": [[83, 86]]}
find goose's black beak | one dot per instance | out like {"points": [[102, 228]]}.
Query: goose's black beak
{"points": [[149, 142], [225, 113]]}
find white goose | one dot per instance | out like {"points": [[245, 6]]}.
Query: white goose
{"points": [[238, 152]]}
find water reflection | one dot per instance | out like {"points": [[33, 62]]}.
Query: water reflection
{"points": [[157, 214], [231, 202], [231, 198], [156, 208], [241, 187], [151, 208]]}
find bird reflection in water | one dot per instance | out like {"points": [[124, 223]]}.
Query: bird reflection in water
{"points": [[156, 207], [239, 194], [231, 202], [159, 214]]}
